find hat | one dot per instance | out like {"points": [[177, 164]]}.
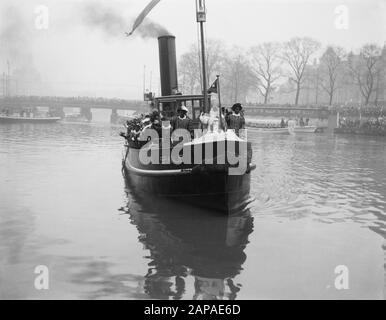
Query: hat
{"points": [[183, 108], [237, 105]]}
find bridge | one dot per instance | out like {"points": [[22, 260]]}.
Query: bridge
{"points": [[25, 102], [56, 107], [28, 102]]}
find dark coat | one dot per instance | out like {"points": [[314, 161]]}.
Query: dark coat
{"points": [[235, 122], [178, 123]]}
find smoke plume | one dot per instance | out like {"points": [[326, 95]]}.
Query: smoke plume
{"points": [[16, 43], [113, 23], [14, 36]]}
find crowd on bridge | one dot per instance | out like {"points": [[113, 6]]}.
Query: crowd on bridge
{"points": [[361, 111], [250, 105]]}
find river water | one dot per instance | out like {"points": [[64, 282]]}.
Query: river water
{"points": [[316, 227]]}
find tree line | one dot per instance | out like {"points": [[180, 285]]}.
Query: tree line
{"points": [[298, 71]]}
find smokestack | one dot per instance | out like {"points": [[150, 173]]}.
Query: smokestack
{"points": [[168, 65]]}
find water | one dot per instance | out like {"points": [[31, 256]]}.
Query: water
{"points": [[320, 202]]}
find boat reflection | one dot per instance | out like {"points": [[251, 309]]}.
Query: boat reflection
{"points": [[186, 242]]}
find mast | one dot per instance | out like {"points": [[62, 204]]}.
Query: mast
{"points": [[144, 80], [4, 85], [8, 79], [201, 19], [151, 79], [220, 114]]}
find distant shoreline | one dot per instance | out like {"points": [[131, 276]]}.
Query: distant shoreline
{"points": [[360, 131]]}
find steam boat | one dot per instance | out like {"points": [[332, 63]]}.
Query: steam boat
{"points": [[215, 167]]}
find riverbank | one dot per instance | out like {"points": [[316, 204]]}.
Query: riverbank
{"points": [[381, 131]]}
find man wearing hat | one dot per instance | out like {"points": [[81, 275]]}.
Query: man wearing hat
{"points": [[235, 120], [182, 121]]}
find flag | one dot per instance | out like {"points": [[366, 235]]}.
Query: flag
{"points": [[214, 87], [143, 15]]}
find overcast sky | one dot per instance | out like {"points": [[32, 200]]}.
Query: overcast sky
{"points": [[80, 55]]}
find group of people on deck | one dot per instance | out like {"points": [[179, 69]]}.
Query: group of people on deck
{"points": [[234, 120], [29, 112], [231, 120]]}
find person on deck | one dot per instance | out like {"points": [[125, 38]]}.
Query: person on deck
{"points": [[155, 120], [146, 122], [182, 121], [236, 120]]}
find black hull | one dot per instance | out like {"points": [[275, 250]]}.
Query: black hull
{"points": [[210, 189], [213, 191]]}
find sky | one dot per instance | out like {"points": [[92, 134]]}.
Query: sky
{"points": [[82, 50]]}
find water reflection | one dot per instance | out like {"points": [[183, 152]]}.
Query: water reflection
{"points": [[380, 228], [185, 241], [100, 282]]}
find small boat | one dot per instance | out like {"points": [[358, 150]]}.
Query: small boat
{"points": [[269, 130], [294, 128], [271, 126], [18, 119], [304, 129]]}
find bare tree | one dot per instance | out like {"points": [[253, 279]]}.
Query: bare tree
{"points": [[238, 77], [189, 71], [215, 58], [331, 65], [365, 69], [265, 64], [190, 65], [310, 83], [297, 53], [381, 77]]}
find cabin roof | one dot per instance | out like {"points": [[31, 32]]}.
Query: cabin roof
{"points": [[174, 98]]}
